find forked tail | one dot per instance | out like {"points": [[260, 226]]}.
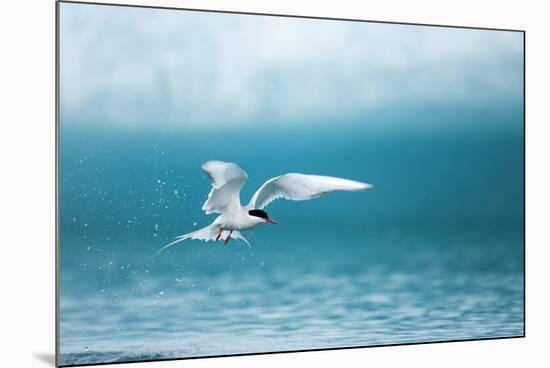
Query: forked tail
{"points": [[206, 233]]}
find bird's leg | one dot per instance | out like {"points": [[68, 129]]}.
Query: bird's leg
{"points": [[228, 237], [219, 234]]}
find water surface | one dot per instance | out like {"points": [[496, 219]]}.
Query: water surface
{"points": [[434, 252]]}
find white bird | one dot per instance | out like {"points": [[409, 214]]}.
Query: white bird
{"points": [[227, 181]]}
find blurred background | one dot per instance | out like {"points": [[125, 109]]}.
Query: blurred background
{"points": [[431, 116]]}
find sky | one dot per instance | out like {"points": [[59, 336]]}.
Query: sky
{"points": [[132, 67]]}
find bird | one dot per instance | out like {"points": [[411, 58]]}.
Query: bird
{"points": [[227, 180]]}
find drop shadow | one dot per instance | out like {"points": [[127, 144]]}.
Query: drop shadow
{"points": [[46, 358]]}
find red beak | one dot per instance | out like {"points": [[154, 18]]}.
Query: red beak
{"points": [[270, 220]]}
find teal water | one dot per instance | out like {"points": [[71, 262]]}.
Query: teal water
{"points": [[434, 252]]}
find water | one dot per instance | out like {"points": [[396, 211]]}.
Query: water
{"points": [[431, 116], [205, 300], [434, 252]]}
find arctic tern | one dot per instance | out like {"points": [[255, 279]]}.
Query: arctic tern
{"points": [[227, 180]]}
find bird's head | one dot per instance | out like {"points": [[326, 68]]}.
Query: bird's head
{"points": [[261, 216]]}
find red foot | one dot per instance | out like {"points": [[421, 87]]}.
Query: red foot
{"points": [[219, 234], [228, 237]]}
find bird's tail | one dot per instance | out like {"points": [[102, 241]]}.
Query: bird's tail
{"points": [[206, 233]]}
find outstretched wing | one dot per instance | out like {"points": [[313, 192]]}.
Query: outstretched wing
{"points": [[227, 180], [299, 187]]}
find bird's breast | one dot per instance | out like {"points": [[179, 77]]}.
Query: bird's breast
{"points": [[236, 221]]}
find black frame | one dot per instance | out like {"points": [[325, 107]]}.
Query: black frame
{"points": [[57, 125]]}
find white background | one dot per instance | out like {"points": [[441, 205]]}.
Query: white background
{"points": [[27, 182]]}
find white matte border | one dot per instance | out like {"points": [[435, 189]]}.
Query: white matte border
{"points": [[27, 201]]}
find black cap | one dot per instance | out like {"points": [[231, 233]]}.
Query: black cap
{"points": [[258, 213]]}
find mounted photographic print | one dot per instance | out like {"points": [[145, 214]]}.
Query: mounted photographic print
{"points": [[233, 183]]}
